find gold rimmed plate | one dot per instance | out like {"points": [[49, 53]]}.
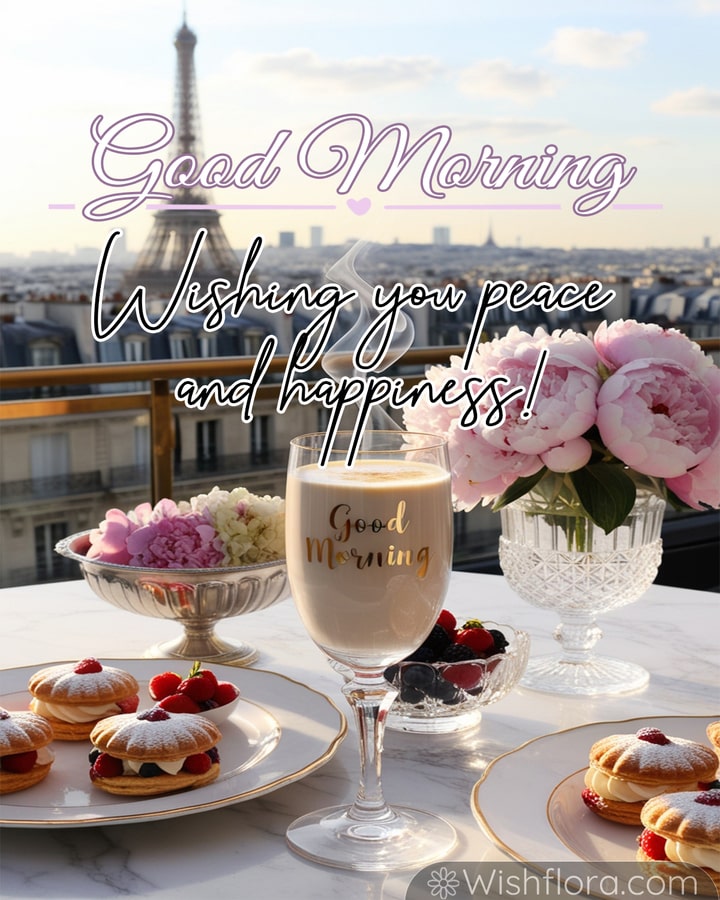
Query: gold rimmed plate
{"points": [[280, 732], [528, 801]]}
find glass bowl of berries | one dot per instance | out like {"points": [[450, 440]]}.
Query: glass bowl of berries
{"points": [[458, 670]]}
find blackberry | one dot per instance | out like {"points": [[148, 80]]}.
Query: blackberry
{"points": [[423, 654], [458, 653], [501, 642], [438, 640], [390, 674]]}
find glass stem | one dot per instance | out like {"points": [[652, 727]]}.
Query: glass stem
{"points": [[577, 636], [370, 697]]}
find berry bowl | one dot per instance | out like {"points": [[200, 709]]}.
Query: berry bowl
{"points": [[449, 693], [197, 599]]}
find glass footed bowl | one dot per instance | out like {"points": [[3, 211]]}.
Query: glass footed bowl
{"points": [[195, 598], [440, 697]]}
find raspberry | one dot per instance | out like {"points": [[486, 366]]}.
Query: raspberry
{"points": [[106, 766], [156, 714], [19, 763], [87, 666], [591, 799], [709, 798], [466, 676], [652, 844], [179, 703], [199, 685], [163, 685], [196, 688], [197, 764], [225, 692], [129, 705], [447, 621], [478, 639], [652, 736]]}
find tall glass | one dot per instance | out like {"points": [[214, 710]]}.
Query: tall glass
{"points": [[369, 554]]}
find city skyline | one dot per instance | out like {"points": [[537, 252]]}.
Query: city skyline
{"points": [[633, 80]]}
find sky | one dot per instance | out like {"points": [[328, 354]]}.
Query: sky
{"points": [[632, 85]]}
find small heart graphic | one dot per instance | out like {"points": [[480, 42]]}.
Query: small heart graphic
{"points": [[359, 207]]}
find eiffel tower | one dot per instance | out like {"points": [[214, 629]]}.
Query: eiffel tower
{"points": [[166, 248]]}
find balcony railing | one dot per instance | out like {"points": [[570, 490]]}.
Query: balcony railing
{"points": [[158, 399]]}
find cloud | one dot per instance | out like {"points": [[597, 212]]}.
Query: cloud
{"points": [[705, 7], [500, 78], [510, 128], [356, 74], [696, 101], [593, 48]]}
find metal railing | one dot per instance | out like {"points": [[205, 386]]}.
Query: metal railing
{"points": [[159, 399]]}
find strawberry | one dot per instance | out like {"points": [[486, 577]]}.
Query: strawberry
{"points": [[179, 703], [129, 704], [106, 766], [197, 764], [226, 692], [87, 666], [19, 763], [652, 845], [478, 639], [163, 685]]}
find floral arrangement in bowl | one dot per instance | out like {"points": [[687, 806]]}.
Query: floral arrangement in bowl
{"points": [[220, 528], [635, 405], [213, 557]]}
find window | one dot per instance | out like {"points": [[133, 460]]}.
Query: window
{"points": [[206, 439], [252, 341], [49, 565], [44, 353], [207, 345], [135, 349], [49, 460], [260, 439], [182, 345]]}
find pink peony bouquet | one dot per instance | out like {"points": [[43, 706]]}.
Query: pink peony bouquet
{"points": [[221, 528], [636, 404]]}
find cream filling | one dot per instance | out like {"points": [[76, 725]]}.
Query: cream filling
{"points": [[612, 788], [44, 756], [693, 856], [169, 766], [75, 712]]}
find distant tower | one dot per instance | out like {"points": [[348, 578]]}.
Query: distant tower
{"points": [[490, 241], [166, 248]]}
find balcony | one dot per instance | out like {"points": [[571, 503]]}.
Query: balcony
{"points": [[104, 468]]}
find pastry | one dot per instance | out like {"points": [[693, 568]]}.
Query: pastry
{"points": [[681, 837], [25, 757], [713, 733], [154, 752], [73, 697], [628, 769]]}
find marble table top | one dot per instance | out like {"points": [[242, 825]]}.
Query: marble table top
{"points": [[239, 851]]}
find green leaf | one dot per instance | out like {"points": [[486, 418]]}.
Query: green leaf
{"points": [[606, 492], [517, 489]]}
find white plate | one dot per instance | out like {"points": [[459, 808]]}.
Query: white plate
{"points": [[280, 731], [528, 801]]}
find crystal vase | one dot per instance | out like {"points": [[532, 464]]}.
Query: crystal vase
{"points": [[557, 558]]}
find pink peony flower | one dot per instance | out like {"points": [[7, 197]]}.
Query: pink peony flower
{"points": [[175, 541], [624, 341], [568, 457], [565, 403], [658, 417], [700, 487], [108, 542]]}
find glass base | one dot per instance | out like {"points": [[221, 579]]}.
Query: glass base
{"points": [[419, 724], [403, 839], [600, 675]]}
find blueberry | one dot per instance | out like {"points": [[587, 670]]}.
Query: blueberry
{"points": [[419, 676], [411, 694], [149, 770], [93, 755]]}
